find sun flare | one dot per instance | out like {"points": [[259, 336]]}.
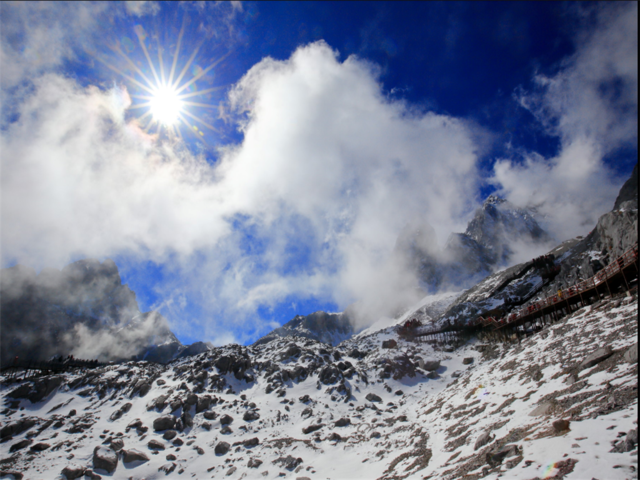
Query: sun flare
{"points": [[165, 105]]}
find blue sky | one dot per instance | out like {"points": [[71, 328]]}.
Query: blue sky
{"points": [[316, 132]]}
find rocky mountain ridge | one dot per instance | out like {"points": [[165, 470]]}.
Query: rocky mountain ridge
{"points": [[82, 310]]}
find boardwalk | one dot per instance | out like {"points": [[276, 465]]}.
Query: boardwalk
{"points": [[620, 273]]}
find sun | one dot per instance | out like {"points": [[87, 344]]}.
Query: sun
{"points": [[165, 105], [166, 99]]}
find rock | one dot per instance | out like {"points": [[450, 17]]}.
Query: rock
{"points": [[560, 426], [304, 398], [482, 440], [73, 471], [375, 435], [430, 365], [343, 422], [596, 357], [329, 374], [203, 403], [250, 415], [226, 430], [144, 389], [226, 420], [231, 471], [210, 415], [206, 426], [158, 402], [20, 445], [169, 434], [72, 413], [254, 463], [40, 389], [631, 355], [307, 412], [177, 442], [134, 455], [335, 437], [448, 348], [456, 374], [187, 419], [312, 428], [116, 444], [167, 468], [192, 399], [467, 361], [171, 457], [222, 448], [137, 423], [399, 392], [105, 459], [433, 375], [199, 450], [164, 422], [251, 442], [542, 409], [289, 462], [160, 382], [372, 397], [18, 427], [389, 343], [39, 447], [155, 445], [505, 452]]}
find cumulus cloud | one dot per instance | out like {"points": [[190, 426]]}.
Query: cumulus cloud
{"points": [[591, 105], [328, 172]]}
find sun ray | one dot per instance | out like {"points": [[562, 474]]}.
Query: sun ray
{"points": [[186, 67], [204, 72], [201, 121], [146, 54], [161, 64], [128, 77], [200, 92], [133, 65], [199, 104], [175, 55]]}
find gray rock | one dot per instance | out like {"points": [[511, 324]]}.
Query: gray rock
{"points": [[433, 375], [167, 468], [171, 457], [222, 448], [192, 399], [105, 459], [561, 425], [164, 422], [39, 447], [226, 430], [187, 419], [210, 415], [467, 361], [482, 440], [254, 463], [372, 397], [389, 343], [289, 462], [542, 409], [343, 422], [226, 420], [169, 434], [155, 445], [251, 442], [596, 357], [177, 442], [117, 444], [144, 389], [375, 435], [203, 403], [18, 427], [631, 355], [505, 452], [73, 471], [250, 415], [312, 428], [430, 365], [20, 445], [134, 455], [231, 471]]}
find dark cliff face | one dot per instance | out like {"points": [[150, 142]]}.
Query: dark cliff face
{"points": [[330, 328], [55, 312], [629, 192], [487, 244]]}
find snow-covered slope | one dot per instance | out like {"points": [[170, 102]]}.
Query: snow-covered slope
{"points": [[296, 408]]}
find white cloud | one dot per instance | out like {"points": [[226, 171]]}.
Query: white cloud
{"points": [[141, 8], [327, 174], [591, 104]]}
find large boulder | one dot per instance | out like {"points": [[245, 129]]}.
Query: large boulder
{"points": [[430, 365], [372, 397], [226, 420], [134, 455], [222, 448], [482, 440], [18, 427], [329, 374], [250, 415], [596, 357], [40, 389], [73, 471], [105, 459], [631, 355], [165, 422]]}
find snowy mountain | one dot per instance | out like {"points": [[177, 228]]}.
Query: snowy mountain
{"points": [[560, 403], [83, 310], [329, 328], [488, 243]]}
